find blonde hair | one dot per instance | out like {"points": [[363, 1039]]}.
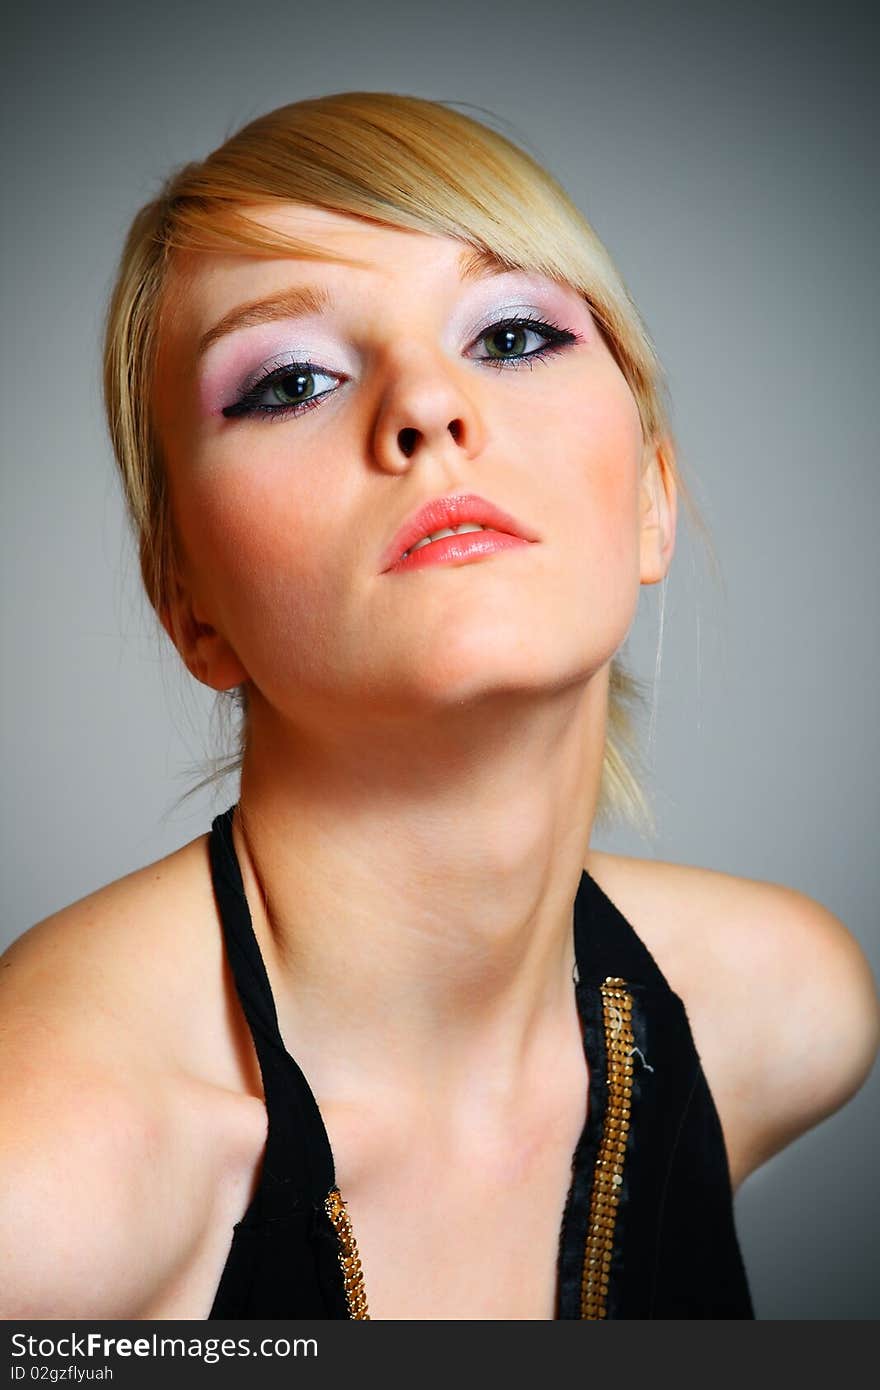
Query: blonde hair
{"points": [[405, 162]]}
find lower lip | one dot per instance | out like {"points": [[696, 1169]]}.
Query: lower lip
{"points": [[472, 545]]}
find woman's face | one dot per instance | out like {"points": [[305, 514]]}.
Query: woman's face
{"points": [[284, 516]]}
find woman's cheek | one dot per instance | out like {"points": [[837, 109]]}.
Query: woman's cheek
{"points": [[248, 527], [607, 447]]}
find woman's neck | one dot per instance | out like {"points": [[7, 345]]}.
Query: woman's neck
{"points": [[412, 892]]}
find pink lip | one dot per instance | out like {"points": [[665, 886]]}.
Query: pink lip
{"points": [[452, 511]]}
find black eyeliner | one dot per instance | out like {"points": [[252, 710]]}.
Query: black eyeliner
{"points": [[249, 403]]}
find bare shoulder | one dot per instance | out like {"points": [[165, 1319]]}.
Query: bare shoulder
{"points": [[764, 972], [135, 936], [136, 969], [118, 1127]]}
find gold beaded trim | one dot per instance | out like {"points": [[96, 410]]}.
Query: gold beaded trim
{"points": [[349, 1259], [608, 1176]]}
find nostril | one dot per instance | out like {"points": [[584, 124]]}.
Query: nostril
{"points": [[407, 441]]}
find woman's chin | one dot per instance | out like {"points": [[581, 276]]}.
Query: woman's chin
{"points": [[460, 675]]}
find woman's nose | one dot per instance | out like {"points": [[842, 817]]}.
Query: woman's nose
{"points": [[427, 409]]}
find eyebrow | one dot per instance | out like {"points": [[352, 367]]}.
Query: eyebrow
{"points": [[473, 264]]}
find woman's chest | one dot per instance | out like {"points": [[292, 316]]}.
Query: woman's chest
{"points": [[440, 1232], [462, 1242]]}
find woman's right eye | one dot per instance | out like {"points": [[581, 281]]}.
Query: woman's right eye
{"points": [[286, 391], [290, 389]]}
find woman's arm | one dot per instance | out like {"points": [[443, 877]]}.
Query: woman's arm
{"points": [[106, 1180], [816, 1019], [84, 1222]]}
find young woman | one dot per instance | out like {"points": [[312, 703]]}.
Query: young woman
{"points": [[392, 1041]]}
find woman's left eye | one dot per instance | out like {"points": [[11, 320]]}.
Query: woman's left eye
{"points": [[507, 336], [290, 390]]}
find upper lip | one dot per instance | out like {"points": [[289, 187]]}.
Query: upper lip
{"points": [[452, 511]]}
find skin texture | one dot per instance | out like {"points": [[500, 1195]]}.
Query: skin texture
{"points": [[425, 749], [418, 795]]}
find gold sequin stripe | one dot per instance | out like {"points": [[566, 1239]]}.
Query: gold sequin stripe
{"points": [[349, 1259], [608, 1176]]}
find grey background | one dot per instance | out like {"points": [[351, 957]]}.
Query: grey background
{"points": [[725, 156]]}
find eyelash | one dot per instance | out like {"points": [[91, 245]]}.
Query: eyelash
{"points": [[249, 403]]}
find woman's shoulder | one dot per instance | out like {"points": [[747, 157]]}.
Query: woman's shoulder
{"points": [[138, 963], [126, 1113], [780, 996]]}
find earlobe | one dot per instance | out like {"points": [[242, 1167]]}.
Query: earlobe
{"points": [[659, 498], [204, 651]]}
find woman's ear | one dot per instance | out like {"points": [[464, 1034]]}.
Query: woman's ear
{"points": [[205, 652], [658, 511]]}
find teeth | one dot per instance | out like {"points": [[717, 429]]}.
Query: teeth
{"points": [[447, 531]]}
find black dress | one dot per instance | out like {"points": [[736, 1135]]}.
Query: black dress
{"points": [[648, 1229]]}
